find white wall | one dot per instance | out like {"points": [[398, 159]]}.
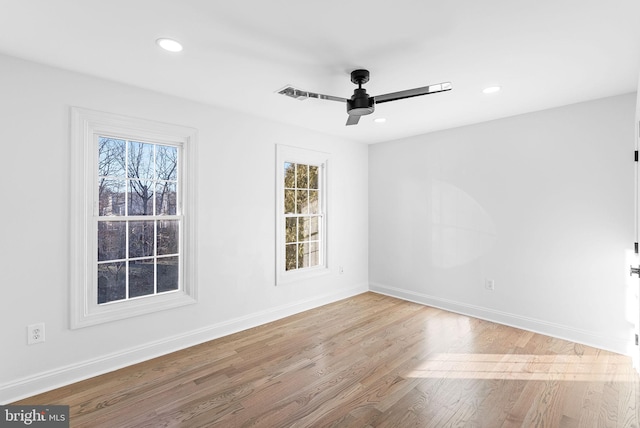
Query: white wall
{"points": [[236, 228], [542, 203]]}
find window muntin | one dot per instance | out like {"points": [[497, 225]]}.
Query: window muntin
{"points": [[137, 223]]}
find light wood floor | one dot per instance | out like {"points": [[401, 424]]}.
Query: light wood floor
{"points": [[368, 361]]}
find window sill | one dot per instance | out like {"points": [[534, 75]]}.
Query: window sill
{"points": [[114, 311], [301, 275]]}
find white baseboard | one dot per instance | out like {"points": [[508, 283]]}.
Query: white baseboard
{"points": [[534, 325], [46, 381]]}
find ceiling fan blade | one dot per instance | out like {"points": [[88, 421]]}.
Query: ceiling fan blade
{"points": [[425, 90], [352, 120], [292, 92]]}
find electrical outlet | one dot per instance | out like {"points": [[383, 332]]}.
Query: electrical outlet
{"points": [[35, 333], [489, 284], [341, 269]]}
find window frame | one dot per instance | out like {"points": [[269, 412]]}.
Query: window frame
{"points": [[86, 127], [299, 155]]}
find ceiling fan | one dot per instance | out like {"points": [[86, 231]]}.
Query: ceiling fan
{"points": [[360, 103]]}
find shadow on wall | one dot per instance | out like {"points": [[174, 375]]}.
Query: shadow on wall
{"points": [[462, 230]]}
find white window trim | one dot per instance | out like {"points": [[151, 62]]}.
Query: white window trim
{"points": [[284, 154], [85, 126]]}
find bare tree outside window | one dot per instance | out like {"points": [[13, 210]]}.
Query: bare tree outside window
{"points": [[138, 222]]}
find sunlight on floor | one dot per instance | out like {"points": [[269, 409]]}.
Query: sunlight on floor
{"points": [[524, 367]]}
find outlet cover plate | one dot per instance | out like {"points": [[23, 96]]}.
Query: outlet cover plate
{"points": [[35, 333]]}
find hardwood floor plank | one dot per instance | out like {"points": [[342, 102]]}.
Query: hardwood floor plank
{"points": [[629, 405], [367, 361]]}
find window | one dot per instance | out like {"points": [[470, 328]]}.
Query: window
{"points": [[138, 225], [301, 213], [133, 217]]}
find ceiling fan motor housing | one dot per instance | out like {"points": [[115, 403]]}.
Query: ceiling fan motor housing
{"points": [[360, 103]]}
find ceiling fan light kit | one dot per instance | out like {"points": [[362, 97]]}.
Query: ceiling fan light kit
{"points": [[361, 103]]}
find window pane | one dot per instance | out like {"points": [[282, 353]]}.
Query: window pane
{"points": [[166, 198], [302, 201], [314, 254], [313, 177], [289, 175], [140, 160], [111, 194], [140, 197], [141, 238], [303, 255], [166, 163], [111, 282], [141, 277], [314, 232], [168, 271], [111, 154], [291, 229], [291, 256], [313, 202], [112, 240], [289, 201], [303, 229], [168, 237], [302, 176]]}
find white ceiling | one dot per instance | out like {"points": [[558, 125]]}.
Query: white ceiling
{"points": [[237, 54]]}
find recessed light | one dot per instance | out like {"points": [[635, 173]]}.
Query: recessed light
{"points": [[169, 45], [379, 120], [491, 89]]}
